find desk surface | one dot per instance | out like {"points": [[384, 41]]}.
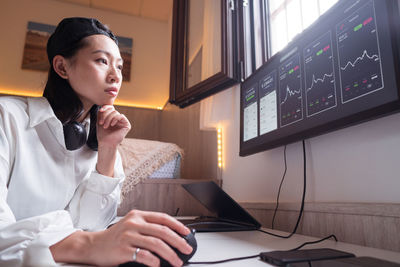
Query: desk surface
{"points": [[224, 245]]}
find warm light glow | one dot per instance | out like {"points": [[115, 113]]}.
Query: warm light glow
{"points": [[135, 105], [38, 94], [19, 92], [219, 141]]}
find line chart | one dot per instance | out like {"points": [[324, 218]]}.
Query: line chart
{"points": [[318, 62], [358, 35], [353, 64], [318, 80], [290, 91]]}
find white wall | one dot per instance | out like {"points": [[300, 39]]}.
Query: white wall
{"points": [[151, 50], [356, 164]]}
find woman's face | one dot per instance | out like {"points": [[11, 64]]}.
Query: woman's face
{"points": [[95, 72]]}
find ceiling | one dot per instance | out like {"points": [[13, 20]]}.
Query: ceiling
{"points": [[152, 9]]}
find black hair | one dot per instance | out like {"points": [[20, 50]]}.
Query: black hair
{"points": [[62, 98]]}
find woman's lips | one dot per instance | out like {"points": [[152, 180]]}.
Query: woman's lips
{"points": [[112, 91]]}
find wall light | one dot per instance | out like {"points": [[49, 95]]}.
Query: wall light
{"points": [[126, 103], [219, 142]]}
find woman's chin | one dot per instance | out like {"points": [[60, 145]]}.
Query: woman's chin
{"points": [[108, 102]]}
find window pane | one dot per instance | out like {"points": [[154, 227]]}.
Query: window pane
{"points": [[289, 17], [248, 44], [278, 32], [293, 18], [257, 34], [324, 5], [310, 12], [275, 4]]}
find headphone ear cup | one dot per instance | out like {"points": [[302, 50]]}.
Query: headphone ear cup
{"points": [[92, 138], [74, 135]]}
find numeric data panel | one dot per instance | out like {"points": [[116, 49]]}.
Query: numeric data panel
{"points": [[250, 113], [268, 101]]}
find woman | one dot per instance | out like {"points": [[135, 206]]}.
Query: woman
{"points": [[57, 195]]}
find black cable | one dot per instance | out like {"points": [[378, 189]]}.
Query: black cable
{"points": [[302, 200], [313, 242], [233, 224], [255, 256], [276, 235], [280, 187], [226, 260]]}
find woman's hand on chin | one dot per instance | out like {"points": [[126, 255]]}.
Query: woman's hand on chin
{"points": [[112, 126]]}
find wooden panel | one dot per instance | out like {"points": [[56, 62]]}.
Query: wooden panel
{"points": [[181, 126], [366, 224], [145, 122], [163, 195]]}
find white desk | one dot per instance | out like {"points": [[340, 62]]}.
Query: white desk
{"points": [[224, 245]]}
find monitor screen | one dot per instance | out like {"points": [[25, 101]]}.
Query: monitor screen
{"points": [[342, 70]]}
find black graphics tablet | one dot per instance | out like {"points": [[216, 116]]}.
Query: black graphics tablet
{"points": [[229, 215], [303, 256], [348, 262]]}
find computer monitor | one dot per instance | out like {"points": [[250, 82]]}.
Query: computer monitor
{"points": [[342, 70]]}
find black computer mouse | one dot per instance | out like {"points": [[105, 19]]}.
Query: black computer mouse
{"points": [[190, 239]]}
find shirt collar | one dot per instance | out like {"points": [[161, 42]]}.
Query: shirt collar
{"points": [[39, 110]]}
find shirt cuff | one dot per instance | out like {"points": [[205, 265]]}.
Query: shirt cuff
{"points": [[102, 184], [28, 241]]}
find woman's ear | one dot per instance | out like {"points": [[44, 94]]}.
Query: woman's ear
{"points": [[59, 66]]}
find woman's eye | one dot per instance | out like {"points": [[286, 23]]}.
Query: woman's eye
{"points": [[120, 67], [102, 60]]}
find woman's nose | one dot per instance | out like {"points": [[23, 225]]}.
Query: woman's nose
{"points": [[114, 75]]}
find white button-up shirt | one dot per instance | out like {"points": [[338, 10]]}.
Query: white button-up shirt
{"points": [[46, 191]]}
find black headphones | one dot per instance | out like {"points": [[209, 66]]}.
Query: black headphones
{"points": [[75, 133]]}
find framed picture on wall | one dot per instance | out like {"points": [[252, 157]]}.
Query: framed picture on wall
{"points": [[125, 47], [35, 56]]}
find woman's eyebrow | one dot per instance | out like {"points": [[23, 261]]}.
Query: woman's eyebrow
{"points": [[107, 53]]}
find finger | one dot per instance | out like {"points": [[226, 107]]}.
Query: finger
{"points": [[109, 117], [158, 247], [146, 257], [114, 121], [124, 122], [103, 113], [105, 107], [165, 219], [119, 120], [166, 234]]}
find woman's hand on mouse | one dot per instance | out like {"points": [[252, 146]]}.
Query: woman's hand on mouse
{"points": [[152, 232]]}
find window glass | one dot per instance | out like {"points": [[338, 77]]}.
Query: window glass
{"points": [[290, 17], [279, 36], [294, 19], [310, 12]]}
